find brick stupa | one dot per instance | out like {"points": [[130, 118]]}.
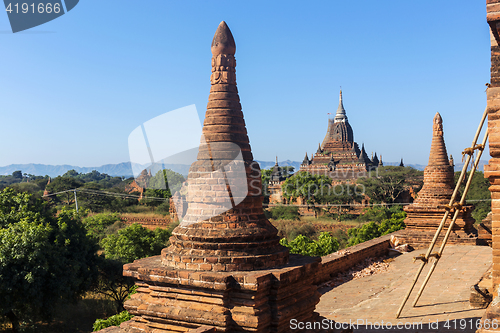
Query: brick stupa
{"points": [[224, 270], [426, 212], [233, 236]]}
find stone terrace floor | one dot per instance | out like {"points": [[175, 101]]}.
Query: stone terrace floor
{"points": [[377, 298]]}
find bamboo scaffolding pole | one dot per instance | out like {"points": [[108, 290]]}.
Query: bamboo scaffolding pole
{"points": [[452, 223], [447, 212]]}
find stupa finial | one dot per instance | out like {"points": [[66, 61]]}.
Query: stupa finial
{"points": [[223, 42]]}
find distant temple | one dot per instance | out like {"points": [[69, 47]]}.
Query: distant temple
{"points": [[140, 183], [274, 186], [339, 157]]}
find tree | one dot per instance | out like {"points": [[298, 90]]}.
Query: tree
{"points": [[265, 175], [307, 186], [17, 174], [44, 259], [155, 197], [479, 194], [111, 281], [387, 183], [71, 173], [287, 170], [96, 225], [166, 179], [282, 212], [90, 197], [316, 189], [60, 184], [135, 242]]}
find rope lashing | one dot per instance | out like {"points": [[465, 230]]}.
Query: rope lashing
{"points": [[470, 150], [456, 205]]}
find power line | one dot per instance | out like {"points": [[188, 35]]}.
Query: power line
{"points": [[100, 192]]}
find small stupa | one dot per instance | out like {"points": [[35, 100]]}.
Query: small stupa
{"points": [[425, 214]]}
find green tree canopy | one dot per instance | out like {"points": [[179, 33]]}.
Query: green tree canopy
{"points": [[374, 229], [43, 259], [166, 179], [60, 184], [325, 244], [387, 183], [479, 194], [135, 242]]}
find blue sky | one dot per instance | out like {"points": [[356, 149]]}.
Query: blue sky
{"points": [[73, 89]]}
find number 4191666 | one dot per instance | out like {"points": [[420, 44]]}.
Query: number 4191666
{"points": [[40, 9]]}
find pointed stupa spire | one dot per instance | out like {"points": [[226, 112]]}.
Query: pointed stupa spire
{"points": [[224, 221], [380, 163], [401, 164], [438, 154], [452, 163], [223, 42], [340, 115], [306, 160], [319, 151], [276, 160]]}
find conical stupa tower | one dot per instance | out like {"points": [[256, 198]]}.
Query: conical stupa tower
{"points": [[438, 174], [224, 270], [426, 212], [225, 228]]}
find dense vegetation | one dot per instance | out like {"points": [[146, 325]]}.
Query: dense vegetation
{"points": [[44, 258], [386, 184], [49, 251], [478, 195], [98, 192]]}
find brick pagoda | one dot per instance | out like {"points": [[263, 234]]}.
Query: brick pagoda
{"points": [[338, 156], [224, 268], [426, 212], [492, 170]]}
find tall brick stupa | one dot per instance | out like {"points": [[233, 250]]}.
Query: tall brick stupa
{"points": [[224, 270], [426, 212], [232, 236]]}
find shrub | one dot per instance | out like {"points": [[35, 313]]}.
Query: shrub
{"points": [[135, 242], [379, 213], [115, 320], [97, 224], [290, 230], [325, 244], [285, 212], [372, 230]]}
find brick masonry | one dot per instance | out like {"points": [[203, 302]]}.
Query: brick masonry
{"points": [[492, 170], [225, 267], [426, 212]]}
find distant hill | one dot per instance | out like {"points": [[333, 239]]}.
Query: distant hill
{"points": [[125, 169]]}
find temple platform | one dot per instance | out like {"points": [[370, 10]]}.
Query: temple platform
{"points": [[445, 301]]}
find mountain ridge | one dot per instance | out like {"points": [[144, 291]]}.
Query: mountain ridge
{"points": [[124, 169]]}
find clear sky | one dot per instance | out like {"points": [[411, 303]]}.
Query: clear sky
{"points": [[73, 89]]}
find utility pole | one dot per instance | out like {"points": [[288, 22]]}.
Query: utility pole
{"points": [[76, 202]]}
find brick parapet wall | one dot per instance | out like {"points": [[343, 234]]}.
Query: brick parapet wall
{"points": [[334, 263], [150, 223]]}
